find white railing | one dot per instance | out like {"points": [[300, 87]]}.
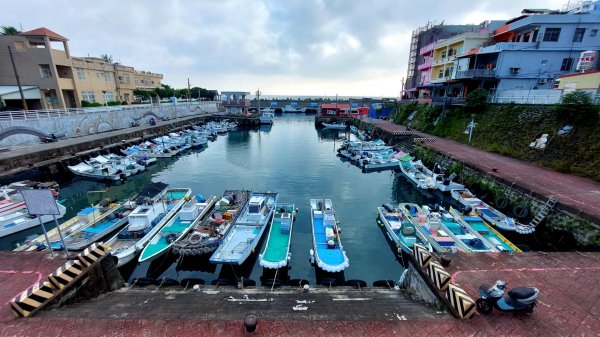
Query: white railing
{"points": [[57, 113], [540, 96]]}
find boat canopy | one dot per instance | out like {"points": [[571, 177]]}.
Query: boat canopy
{"points": [[273, 104]]}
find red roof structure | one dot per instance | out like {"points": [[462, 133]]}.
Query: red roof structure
{"points": [[43, 31]]}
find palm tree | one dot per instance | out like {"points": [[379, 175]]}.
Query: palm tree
{"points": [[107, 58], [9, 30]]}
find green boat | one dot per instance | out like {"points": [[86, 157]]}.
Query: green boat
{"points": [[192, 212], [277, 251]]}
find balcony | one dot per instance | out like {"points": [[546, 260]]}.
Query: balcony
{"points": [[425, 65], [500, 46], [427, 49], [476, 73], [449, 59]]}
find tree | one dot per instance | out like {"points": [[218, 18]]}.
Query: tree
{"points": [[107, 58], [577, 108], [9, 30], [476, 100]]}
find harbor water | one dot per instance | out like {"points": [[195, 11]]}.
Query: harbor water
{"points": [[291, 157]]}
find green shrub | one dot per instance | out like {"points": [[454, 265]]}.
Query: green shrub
{"points": [[477, 100], [576, 108], [113, 103], [86, 104]]}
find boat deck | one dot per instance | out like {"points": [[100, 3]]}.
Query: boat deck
{"points": [[279, 243], [332, 257], [240, 238], [174, 227], [477, 224]]}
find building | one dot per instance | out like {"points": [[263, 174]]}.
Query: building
{"points": [[55, 79], [235, 102], [422, 37], [342, 110], [588, 82], [524, 57]]}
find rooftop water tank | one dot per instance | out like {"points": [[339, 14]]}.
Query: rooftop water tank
{"points": [[588, 61]]}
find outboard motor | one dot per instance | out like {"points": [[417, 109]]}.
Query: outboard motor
{"points": [[389, 207], [518, 299], [467, 210]]}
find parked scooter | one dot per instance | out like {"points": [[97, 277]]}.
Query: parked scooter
{"points": [[48, 139], [134, 124], [518, 299]]}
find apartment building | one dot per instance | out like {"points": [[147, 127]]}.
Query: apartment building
{"points": [[55, 79]]}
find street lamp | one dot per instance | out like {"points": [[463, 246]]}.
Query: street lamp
{"points": [[104, 96]]}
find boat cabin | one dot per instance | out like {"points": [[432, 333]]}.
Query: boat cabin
{"points": [[189, 211], [143, 216]]}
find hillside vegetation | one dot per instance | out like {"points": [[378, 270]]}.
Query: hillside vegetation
{"points": [[509, 129]]}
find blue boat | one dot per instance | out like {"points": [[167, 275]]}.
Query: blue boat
{"points": [[248, 229], [401, 230], [328, 252]]}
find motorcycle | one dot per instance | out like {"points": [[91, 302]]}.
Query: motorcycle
{"points": [[48, 139], [134, 124], [517, 300]]}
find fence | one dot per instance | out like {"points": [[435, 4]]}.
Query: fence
{"points": [[55, 113], [533, 96]]}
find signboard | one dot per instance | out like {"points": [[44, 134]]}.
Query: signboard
{"points": [[40, 202]]}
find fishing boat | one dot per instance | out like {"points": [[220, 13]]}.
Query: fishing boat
{"points": [[20, 220], [206, 236], [335, 126], [150, 215], [277, 251], [191, 213], [498, 240], [414, 171], [84, 218], [467, 238], [247, 230], [96, 172], [92, 231], [266, 117], [403, 232], [437, 235], [487, 212], [327, 252]]}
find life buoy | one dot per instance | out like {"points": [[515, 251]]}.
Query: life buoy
{"points": [[521, 211]]}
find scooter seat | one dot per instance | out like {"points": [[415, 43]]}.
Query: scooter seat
{"points": [[522, 293]]}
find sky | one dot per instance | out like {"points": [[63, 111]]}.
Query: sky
{"points": [[286, 47]]}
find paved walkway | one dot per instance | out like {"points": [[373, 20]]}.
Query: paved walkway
{"points": [[577, 193]]}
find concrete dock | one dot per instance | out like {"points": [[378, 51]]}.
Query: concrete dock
{"points": [[569, 304]]}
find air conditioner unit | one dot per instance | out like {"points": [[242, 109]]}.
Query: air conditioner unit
{"points": [[542, 80], [514, 70]]}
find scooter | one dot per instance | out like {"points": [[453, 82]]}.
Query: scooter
{"points": [[518, 299], [48, 139]]}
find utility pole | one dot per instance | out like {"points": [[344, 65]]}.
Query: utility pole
{"points": [[189, 92], [18, 80]]}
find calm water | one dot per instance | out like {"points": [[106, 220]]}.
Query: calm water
{"points": [[292, 158]]}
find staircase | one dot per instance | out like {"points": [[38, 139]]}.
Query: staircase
{"points": [[541, 215], [444, 163]]}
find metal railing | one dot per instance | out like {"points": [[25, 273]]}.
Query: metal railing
{"points": [[57, 113], [475, 73]]}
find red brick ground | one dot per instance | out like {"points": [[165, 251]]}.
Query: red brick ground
{"points": [[572, 191]]}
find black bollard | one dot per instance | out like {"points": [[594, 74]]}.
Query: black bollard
{"points": [[445, 261], [250, 323]]}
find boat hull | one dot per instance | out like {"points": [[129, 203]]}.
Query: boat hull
{"points": [[12, 228]]}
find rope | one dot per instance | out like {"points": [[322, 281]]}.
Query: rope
{"points": [[275, 279]]}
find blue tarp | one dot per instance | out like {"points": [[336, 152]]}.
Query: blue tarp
{"points": [[314, 104], [354, 105], [273, 103]]}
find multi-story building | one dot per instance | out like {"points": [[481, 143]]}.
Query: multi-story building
{"points": [[422, 37], [527, 54], [43, 61]]}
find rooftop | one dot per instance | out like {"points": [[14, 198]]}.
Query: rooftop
{"points": [[43, 31]]}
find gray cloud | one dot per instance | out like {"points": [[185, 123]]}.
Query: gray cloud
{"points": [[283, 47]]}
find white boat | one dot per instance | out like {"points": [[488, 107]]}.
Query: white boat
{"points": [[414, 171], [335, 126], [247, 230], [487, 212], [20, 220], [145, 221], [102, 172], [401, 230], [191, 213], [266, 117], [277, 250], [327, 252]]}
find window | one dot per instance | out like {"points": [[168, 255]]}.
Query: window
{"points": [[579, 32], [567, 63], [514, 70], [444, 54], [45, 71], [551, 34], [544, 62], [20, 45], [526, 37], [126, 97], [126, 78], [109, 96], [88, 96], [81, 73], [593, 32], [441, 73], [535, 35], [107, 77]]}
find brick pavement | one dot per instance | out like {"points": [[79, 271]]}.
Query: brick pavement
{"points": [[574, 192]]}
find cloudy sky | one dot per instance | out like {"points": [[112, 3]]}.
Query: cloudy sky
{"points": [[285, 47]]}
